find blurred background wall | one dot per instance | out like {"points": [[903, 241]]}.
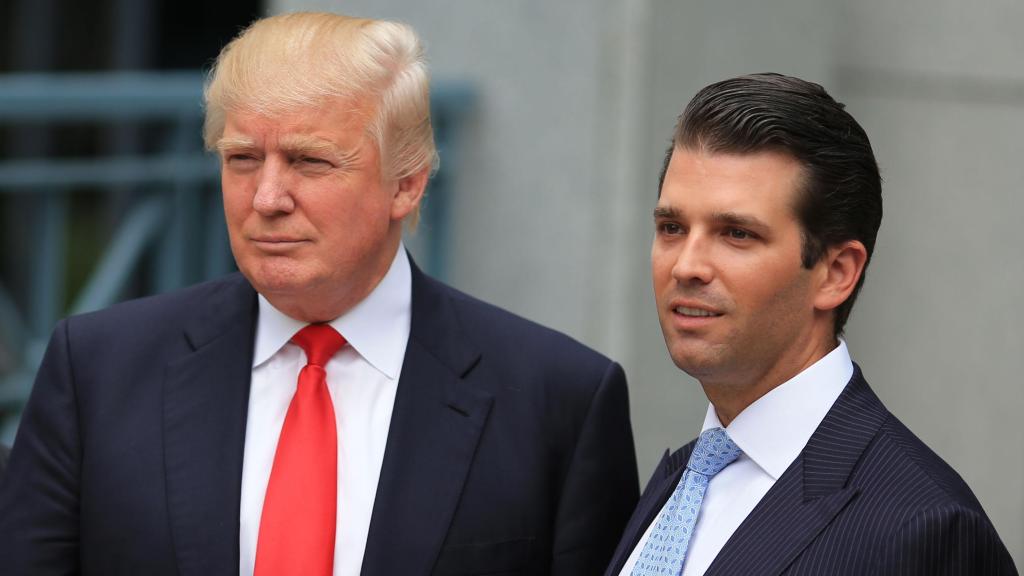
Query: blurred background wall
{"points": [[551, 175], [105, 192]]}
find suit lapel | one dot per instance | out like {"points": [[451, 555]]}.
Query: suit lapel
{"points": [[435, 427], [779, 527], [810, 493], [205, 402]]}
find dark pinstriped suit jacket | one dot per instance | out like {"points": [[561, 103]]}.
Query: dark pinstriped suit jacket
{"points": [[864, 497], [3, 459]]}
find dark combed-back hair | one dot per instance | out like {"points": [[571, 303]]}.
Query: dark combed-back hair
{"points": [[841, 196]]}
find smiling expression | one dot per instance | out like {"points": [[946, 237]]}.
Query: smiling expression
{"points": [[735, 304]]}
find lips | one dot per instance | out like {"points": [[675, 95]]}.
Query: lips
{"points": [[692, 316], [695, 312], [693, 308], [277, 244], [276, 239]]}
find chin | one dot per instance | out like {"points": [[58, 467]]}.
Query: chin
{"points": [[704, 373], [270, 277], [697, 360], [693, 367]]}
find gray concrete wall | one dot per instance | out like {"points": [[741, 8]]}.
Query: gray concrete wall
{"points": [[939, 88], [530, 184], [559, 175]]}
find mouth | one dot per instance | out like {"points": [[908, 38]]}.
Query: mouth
{"points": [[276, 244], [691, 312], [692, 317]]}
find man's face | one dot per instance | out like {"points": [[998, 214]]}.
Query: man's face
{"points": [[312, 223], [734, 302]]}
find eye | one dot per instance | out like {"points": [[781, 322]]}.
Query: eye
{"points": [[240, 160], [315, 162], [669, 228], [739, 234]]}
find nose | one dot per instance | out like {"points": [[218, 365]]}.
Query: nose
{"points": [[693, 261], [273, 195]]}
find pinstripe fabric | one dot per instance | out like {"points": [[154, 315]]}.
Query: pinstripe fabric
{"points": [[865, 496], [4, 452]]}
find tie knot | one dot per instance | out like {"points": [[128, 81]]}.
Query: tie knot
{"points": [[320, 342], [714, 451]]}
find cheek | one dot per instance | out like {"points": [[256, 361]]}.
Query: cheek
{"points": [[236, 203], [347, 220], [662, 262], [786, 301]]}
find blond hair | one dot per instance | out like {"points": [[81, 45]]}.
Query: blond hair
{"points": [[301, 60]]}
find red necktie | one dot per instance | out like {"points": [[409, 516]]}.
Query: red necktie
{"points": [[300, 507]]}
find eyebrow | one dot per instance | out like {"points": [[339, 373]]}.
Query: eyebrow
{"points": [[298, 145], [294, 145], [666, 212], [738, 220], [729, 218], [235, 143]]}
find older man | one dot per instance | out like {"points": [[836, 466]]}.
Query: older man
{"points": [[767, 215], [330, 410]]}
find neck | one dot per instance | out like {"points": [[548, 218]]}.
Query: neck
{"points": [[732, 396]]}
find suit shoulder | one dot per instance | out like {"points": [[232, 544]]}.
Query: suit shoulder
{"points": [[915, 467], [492, 326], [156, 313], [934, 509]]}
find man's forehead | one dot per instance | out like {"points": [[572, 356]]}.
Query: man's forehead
{"points": [[725, 182], [338, 112], [756, 163], [349, 109], [241, 138], [232, 140], [307, 129]]}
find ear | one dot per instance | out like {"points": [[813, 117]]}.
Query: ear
{"points": [[840, 270], [408, 193]]}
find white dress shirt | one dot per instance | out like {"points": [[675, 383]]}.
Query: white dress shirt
{"points": [[771, 432], [362, 378]]}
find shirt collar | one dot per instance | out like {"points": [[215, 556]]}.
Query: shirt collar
{"points": [[775, 428], [377, 328]]}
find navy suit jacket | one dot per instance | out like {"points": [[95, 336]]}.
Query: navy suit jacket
{"points": [[864, 497], [509, 451]]}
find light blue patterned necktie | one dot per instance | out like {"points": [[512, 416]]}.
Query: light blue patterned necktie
{"points": [[665, 550]]}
